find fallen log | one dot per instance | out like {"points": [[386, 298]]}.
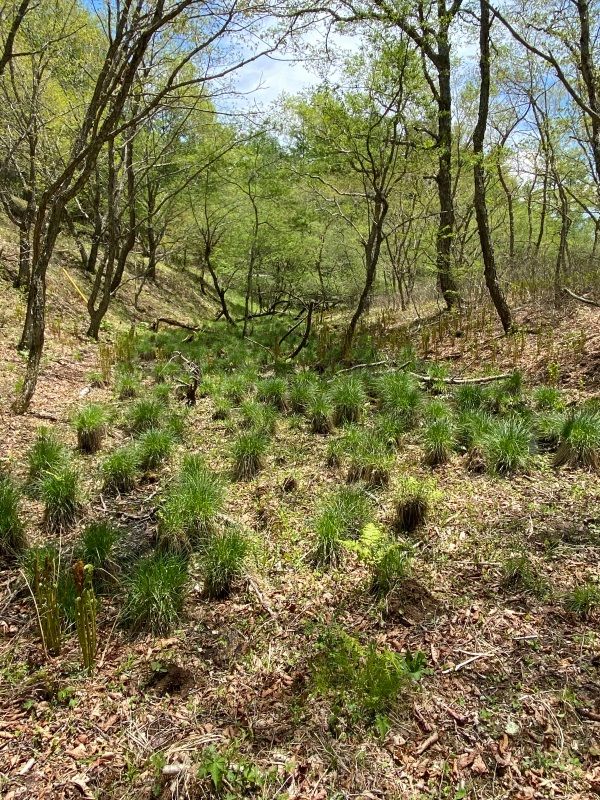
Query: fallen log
{"points": [[580, 298], [459, 381], [175, 323]]}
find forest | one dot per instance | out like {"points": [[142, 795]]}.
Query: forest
{"points": [[299, 399]]}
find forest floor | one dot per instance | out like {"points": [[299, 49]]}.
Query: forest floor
{"points": [[509, 706]]}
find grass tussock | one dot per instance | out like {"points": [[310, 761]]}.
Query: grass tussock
{"points": [[249, 454], [155, 593], [90, 423], [579, 444], [120, 469], [13, 540], [221, 561], [61, 495]]}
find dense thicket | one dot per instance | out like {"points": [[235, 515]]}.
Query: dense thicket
{"points": [[419, 162]]}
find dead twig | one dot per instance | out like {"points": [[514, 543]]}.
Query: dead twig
{"points": [[427, 743]]}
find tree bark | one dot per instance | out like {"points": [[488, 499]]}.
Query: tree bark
{"points": [[479, 198]]}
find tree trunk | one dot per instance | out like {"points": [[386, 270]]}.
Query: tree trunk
{"points": [[479, 199]]}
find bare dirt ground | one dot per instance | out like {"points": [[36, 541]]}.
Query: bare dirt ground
{"points": [[510, 707]]}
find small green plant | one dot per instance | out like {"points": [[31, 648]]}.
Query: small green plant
{"points": [[370, 460], [222, 560], [507, 446], [583, 599], [90, 424], [154, 447], [249, 450], [320, 413], [85, 613], [362, 679], [45, 592], [548, 398], [155, 593], [145, 414], [229, 774], [349, 399], [399, 394], [580, 441], [273, 392], [520, 575], [412, 502], [439, 441], [190, 507], [388, 560], [60, 493], [120, 469], [46, 453], [13, 540]]}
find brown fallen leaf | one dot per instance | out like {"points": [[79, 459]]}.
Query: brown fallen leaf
{"points": [[478, 766]]}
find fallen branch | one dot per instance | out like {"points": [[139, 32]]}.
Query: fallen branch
{"points": [[466, 663], [580, 298], [304, 340], [427, 743], [460, 381], [175, 323]]}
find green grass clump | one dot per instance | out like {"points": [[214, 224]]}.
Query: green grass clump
{"points": [[249, 451], [90, 424], [13, 540], [548, 398], [222, 560], [370, 460], [60, 493], [47, 453], [273, 392], [520, 575], [236, 388], [320, 413], [335, 452], [301, 391], [95, 547], [364, 680], [439, 440], [389, 568], [472, 429], [391, 427], [127, 386], [144, 415], [507, 446], [222, 410], [155, 593], [342, 516], [399, 394], [154, 447], [583, 599], [412, 503], [190, 507], [259, 417], [469, 397], [120, 469], [580, 441], [349, 399], [547, 427]]}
